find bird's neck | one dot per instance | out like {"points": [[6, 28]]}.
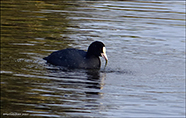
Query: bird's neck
{"points": [[90, 55]]}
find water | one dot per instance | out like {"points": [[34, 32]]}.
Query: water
{"points": [[145, 75]]}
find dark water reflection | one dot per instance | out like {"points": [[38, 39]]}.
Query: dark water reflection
{"points": [[68, 92], [145, 46], [75, 92]]}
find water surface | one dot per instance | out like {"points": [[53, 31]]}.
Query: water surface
{"points": [[145, 75]]}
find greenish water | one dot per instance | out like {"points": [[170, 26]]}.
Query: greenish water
{"points": [[145, 75]]}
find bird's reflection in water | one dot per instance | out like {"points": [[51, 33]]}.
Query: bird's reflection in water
{"points": [[90, 81], [79, 89], [96, 80], [93, 89]]}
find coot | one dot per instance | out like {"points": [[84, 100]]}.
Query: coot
{"points": [[75, 58]]}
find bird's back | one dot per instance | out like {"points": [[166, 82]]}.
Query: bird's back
{"points": [[70, 57]]}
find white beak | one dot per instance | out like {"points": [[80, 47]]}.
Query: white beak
{"points": [[104, 55]]}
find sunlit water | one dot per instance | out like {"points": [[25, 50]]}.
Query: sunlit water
{"points": [[145, 75]]}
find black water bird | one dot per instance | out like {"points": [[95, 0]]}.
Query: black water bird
{"points": [[75, 58]]}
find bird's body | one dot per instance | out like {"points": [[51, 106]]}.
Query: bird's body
{"points": [[75, 58]]}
